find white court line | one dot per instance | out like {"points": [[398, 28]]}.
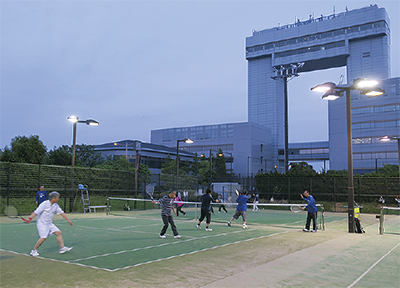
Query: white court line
{"points": [[157, 246], [370, 268], [116, 229], [54, 260], [157, 260], [196, 251]]}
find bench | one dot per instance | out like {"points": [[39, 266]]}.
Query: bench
{"points": [[97, 207]]}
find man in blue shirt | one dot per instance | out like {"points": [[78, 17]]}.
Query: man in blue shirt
{"points": [[41, 196], [312, 211], [241, 208], [206, 200]]}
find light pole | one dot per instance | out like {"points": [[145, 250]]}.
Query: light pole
{"points": [[285, 73], [332, 92], [187, 141], [387, 139], [74, 120]]}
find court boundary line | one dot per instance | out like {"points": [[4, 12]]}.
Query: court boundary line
{"points": [[159, 245], [373, 265], [152, 261], [197, 251]]}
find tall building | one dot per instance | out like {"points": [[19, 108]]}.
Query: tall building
{"points": [[357, 39]]}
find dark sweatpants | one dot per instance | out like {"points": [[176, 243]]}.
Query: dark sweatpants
{"points": [[168, 220]]}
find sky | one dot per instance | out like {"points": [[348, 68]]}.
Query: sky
{"points": [[137, 66]]}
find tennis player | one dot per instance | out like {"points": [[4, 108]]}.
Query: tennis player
{"points": [[312, 211], [45, 225], [206, 206], [241, 208], [41, 196], [179, 205], [255, 202], [222, 205], [167, 204]]}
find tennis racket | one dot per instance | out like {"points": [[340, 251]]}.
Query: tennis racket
{"points": [[237, 192], [12, 212], [151, 197], [295, 208]]}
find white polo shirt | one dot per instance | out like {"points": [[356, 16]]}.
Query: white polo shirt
{"points": [[46, 212]]}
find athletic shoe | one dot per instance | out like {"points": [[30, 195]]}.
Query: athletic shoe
{"points": [[177, 236], [208, 229], [34, 253], [64, 249], [314, 230], [219, 211], [229, 224], [198, 226], [163, 236], [244, 226], [184, 214], [305, 230]]}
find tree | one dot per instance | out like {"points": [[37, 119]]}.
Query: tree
{"points": [[25, 150], [301, 169], [219, 164], [144, 173], [116, 162], [204, 171], [169, 166], [6, 155], [59, 156], [195, 167], [86, 156]]}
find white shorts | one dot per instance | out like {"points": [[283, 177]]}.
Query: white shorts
{"points": [[46, 230]]}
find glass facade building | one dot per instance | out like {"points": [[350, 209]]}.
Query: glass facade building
{"points": [[357, 39]]}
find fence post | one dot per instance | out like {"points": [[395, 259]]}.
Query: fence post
{"points": [[381, 222], [8, 183], [40, 171], [334, 195], [65, 188]]}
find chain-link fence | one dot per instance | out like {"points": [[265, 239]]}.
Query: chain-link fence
{"points": [[19, 183]]}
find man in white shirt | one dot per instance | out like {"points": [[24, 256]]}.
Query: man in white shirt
{"points": [[44, 224], [185, 196]]}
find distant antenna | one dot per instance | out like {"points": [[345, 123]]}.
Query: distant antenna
{"points": [[334, 10]]}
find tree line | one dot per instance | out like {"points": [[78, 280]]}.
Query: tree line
{"points": [[32, 150]]}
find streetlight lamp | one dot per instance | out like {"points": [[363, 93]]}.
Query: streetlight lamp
{"points": [[332, 92], [75, 119], [387, 139], [187, 141]]}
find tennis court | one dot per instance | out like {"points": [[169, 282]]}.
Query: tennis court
{"points": [[124, 249]]}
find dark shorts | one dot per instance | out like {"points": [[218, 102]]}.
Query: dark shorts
{"points": [[240, 213], [205, 213]]}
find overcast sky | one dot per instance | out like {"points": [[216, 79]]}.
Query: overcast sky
{"points": [[135, 66]]}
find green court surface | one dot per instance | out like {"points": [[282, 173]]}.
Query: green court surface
{"points": [[125, 250]]}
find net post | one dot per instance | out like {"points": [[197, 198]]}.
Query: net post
{"points": [[381, 222], [323, 217], [108, 206], [195, 210]]}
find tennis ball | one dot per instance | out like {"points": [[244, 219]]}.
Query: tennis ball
{"points": [[263, 208]]}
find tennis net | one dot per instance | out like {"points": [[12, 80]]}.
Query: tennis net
{"points": [[273, 214], [134, 207], [389, 220]]}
